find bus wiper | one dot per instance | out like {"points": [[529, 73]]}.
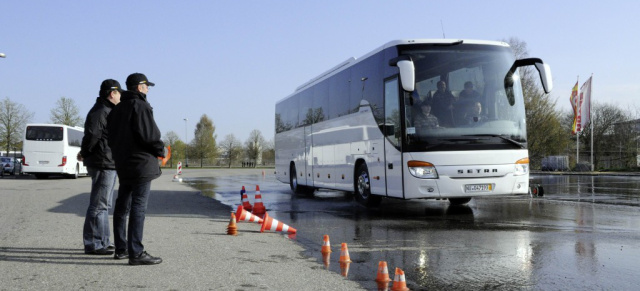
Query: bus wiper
{"points": [[520, 145]]}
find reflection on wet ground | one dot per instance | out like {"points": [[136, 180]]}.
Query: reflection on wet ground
{"points": [[614, 190], [583, 234]]}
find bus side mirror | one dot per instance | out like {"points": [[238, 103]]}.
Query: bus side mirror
{"points": [[545, 76], [407, 71], [543, 70]]}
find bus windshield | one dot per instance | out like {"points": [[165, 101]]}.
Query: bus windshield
{"points": [[460, 102]]}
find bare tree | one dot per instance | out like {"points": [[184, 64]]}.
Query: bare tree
{"points": [[612, 135], [13, 120], [204, 141], [545, 135], [269, 153], [254, 145], [231, 149], [66, 112]]}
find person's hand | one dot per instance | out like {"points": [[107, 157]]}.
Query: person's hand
{"points": [[79, 156]]}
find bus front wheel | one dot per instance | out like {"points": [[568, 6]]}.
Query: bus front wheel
{"points": [[363, 188], [459, 201]]}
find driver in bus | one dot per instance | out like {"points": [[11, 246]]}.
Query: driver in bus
{"points": [[424, 119], [475, 115]]}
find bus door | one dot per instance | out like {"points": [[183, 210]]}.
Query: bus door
{"points": [[308, 150], [393, 132]]}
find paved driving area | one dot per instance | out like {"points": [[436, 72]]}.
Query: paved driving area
{"points": [[41, 243]]}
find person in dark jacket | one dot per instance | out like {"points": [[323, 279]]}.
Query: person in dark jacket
{"points": [[96, 154], [136, 145]]}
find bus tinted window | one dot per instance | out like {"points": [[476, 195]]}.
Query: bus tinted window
{"points": [[321, 102], [339, 94], [45, 133], [75, 137], [366, 84]]}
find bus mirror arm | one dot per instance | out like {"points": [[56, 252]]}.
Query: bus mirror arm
{"points": [[543, 70], [407, 71]]}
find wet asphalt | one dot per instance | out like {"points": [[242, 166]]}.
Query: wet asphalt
{"points": [[584, 233]]}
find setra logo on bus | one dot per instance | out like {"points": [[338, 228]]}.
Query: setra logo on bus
{"points": [[478, 171]]}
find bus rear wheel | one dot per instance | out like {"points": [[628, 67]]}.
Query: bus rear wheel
{"points": [[293, 182], [459, 201], [76, 174], [363, 188]]}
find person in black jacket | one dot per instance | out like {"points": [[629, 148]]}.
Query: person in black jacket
{"points": [[135, 141], [96, 154]]}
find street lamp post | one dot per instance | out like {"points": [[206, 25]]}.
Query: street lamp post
{"points": [[185, 144]]}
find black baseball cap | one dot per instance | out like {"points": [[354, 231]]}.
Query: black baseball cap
{"points": [[109, 85], [137, 79]]}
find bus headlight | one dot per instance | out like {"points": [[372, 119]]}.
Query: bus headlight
{"points": [[522, 167], [422, 170]]}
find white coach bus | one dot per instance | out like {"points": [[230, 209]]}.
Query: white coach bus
{"points": [[354, 128], [52, 149]]}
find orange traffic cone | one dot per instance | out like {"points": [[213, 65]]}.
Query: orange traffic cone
{"points": [[244, 215], [258, 207], [344, 254], [232, 229], [383, 273], [344, 268], [326, 246], [272, 224], [399, 283], [245, 200]]}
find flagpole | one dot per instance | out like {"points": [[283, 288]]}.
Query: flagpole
{"points": [[577, 132], [591, 117]]}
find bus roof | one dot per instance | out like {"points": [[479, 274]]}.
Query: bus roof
{"points": [[352, 61]]}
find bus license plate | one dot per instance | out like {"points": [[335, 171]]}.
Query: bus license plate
{"points": [[478, 188], [43, 162]]}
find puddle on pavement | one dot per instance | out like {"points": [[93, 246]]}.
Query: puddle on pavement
{"points": [[206, 186]]}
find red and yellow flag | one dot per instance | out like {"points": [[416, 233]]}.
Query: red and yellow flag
{"points": [[576, 107]]}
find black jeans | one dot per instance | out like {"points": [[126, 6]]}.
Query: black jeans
{"points": [[132, 201]]}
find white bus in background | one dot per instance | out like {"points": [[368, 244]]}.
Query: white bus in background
{"points": [[352, 128], [52, 149]]}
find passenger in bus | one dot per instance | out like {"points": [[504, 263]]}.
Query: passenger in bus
{"points": [[424, 119], [443, 102], [475, 115], [469, 92], [96, 154]]}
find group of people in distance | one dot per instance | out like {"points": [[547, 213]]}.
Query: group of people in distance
{"points": [[444, 109], [120, 138]]}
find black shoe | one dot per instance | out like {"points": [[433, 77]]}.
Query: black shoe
{"points": [[144, 259], [120, 256], [100, 252]]}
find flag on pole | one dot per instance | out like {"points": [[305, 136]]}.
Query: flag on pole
{"points": [[574, 104], [585, 104]]}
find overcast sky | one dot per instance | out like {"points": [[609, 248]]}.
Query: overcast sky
{"points": [[232, 60]]}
